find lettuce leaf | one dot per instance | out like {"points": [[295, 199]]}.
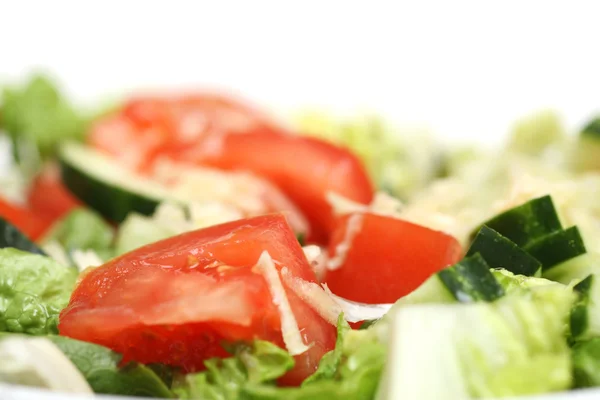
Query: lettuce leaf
{"points": [[33, 291]]}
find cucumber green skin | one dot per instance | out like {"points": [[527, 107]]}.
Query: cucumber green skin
{"points": [[500, 252], [579, 313], [10, 236], [471, 280], [557, 247], [112, 202], [527, 222]]}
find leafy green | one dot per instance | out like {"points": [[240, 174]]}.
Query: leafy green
{"points": [[33, 291], [38, 114], [100, 367], [83, 229], [586, 363], [138, 230], [330, 362], [350, 371], [259, 363], [535, 133], [513, 346], [514, 283]]}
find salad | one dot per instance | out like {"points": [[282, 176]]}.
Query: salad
{"points": [[192, 246]]}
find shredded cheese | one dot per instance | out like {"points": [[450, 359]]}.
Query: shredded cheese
{"points": [[289, 327], [86, 258], [313, 295], [355, 311], [317, 259], [353, 227]]}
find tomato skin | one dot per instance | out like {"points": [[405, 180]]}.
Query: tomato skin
{"points": [[48, 197], [305, 168], [174, 301], [31, 225], [388, 258]]}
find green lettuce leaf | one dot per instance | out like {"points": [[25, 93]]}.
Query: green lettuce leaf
{"points": [[83, 229], [513, 346], [38, 114], [259, 363], [586, 363], [33, 291], [138, 230]]}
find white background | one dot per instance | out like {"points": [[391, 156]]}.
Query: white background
{"points": [[465, 68]]}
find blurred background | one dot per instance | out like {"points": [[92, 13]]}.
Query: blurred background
{"points": [[465, 69]]}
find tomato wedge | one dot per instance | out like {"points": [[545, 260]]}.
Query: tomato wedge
{"points": [[220, 132], [387, 258], [174, 301], [306, 169], [48, 197], [31, 225], [147, 127]]}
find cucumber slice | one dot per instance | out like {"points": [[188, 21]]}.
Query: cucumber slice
{"points": [[11, 236], [557, 247], [585, 315], [500, 252], [471, 280], [105, 186], [527, 222]]}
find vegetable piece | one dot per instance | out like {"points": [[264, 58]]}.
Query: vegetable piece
{"points": [[533, 134], [382, 259], [586, 363], [13, 237], [513, 283], [31, 225], [527, 222], [139, 230], [575, 269], [499, 252], [33, 290], [82, 229], [306, 171], [174, 301], [585, 316], [400, 162], [471, 280], [48, 197], [38, 362], [37, 113], [514, 346], [585, 155], [557, 247], [258, 363], [146, 127], [102, 369], [105, 186]]}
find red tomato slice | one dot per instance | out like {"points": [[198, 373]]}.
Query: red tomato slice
{"points": [[174, 301], [48, 197], [306, 169], [387, 258], [226, 134], [146, 127], [30, 224]]}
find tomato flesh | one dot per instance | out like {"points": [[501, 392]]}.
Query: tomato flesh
{"points": [[146, 127], [219, 132], [33, 226], [174, 301], [48, 197], [388, 258], [304, 168]]}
